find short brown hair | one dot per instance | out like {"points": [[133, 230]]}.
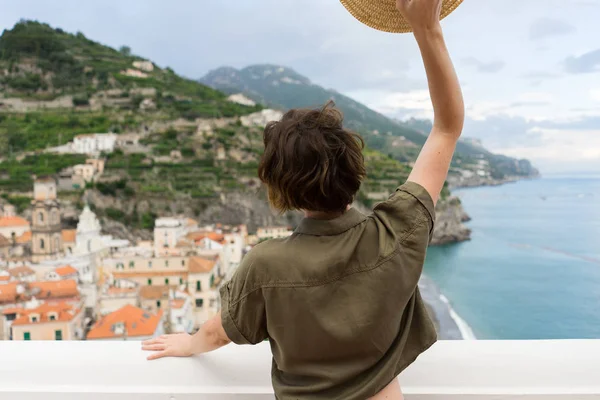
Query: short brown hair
{"points": [[311, 162]]}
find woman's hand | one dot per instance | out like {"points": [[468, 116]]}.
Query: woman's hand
{"points": [[420, 13], [178, 345]]}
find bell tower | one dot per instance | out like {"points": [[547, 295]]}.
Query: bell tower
{"points": [[46, 239]]}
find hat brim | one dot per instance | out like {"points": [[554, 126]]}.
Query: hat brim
{"points": [[384, 16]]}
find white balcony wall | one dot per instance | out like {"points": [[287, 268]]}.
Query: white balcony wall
{"points": [[456, 370]]}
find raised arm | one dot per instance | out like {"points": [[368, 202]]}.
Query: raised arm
{"points": [[433, 163]]}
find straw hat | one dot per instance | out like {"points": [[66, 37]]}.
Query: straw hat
{"points": [[384, 16]]}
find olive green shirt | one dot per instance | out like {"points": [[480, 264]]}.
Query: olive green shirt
{"points": [[338, 299]]}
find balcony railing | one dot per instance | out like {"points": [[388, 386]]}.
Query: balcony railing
{"points": [[472, 370]]}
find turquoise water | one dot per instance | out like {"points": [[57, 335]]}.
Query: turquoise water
{"points": [[532, 268]]}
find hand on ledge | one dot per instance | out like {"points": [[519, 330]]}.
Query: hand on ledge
{"points": [[177, 345]]}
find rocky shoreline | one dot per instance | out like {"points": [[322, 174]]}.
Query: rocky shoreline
{"points": [[478, 181], [449, 222]]}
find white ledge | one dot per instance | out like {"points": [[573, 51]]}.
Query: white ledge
{"points": [[453, 370]]}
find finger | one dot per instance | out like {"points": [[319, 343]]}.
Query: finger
{"points": [[154, 347], [157, 355], [153, 341]]}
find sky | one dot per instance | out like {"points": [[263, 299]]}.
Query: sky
{"points": [[530, 69]]}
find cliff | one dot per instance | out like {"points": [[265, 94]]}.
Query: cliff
{"points": [[449, 227]]}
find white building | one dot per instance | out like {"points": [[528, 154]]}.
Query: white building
{"points": [[181, 309], [240, 98], [144, 65], [261, 118], [135, 73], [7, 210], [94, 143], [273, 232], [167, 233], [117, 294], [11, 227], [85, 171]]}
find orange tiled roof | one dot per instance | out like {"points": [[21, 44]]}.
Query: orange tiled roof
{"points": [[201, 264], [54, 289], [154, 292], [68, 235], [64, 313], [12, 310], [13, 221], [24, 238], [20, 272], [197, 236], [137, 322], [8, 293], [4, 278], [65, 270]]}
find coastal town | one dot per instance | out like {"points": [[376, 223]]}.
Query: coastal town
{"points": [[79, 284]]}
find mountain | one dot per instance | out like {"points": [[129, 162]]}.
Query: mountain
{"points": [[284, 88]]}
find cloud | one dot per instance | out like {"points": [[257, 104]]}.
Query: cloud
{"points": [[546, 27], [585, 63], [551, 145], [485, 67]]}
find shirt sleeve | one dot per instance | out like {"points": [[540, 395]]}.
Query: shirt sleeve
{"points": [[406, 210], [243, 306]]}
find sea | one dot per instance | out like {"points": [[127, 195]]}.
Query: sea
{"points": [[532, 268]]}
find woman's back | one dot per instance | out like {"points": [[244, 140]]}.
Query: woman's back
{"points": [[338, 300]]}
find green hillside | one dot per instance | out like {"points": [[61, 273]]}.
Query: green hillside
{"points": [[55, 85]]}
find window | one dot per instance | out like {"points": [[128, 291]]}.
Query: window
{"points": [[131, 264], [183, 263], [166, 263], [42, 244], [212, 280], [149, 264], [198, 286], [41, 217], [158, 303], [58, 335], [26, 335], [120, 266], [166, 281], [34, 319], [181, 281], [149, 282], [199, 303], [179, 320], [56, 244], [52, 317]]}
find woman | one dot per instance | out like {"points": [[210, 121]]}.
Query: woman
{"points": [[338, 300]]}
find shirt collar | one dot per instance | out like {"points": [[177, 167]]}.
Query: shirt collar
{"points": [[329, 227]]}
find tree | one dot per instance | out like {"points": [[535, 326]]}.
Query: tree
{"points": [[125, 50]]}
